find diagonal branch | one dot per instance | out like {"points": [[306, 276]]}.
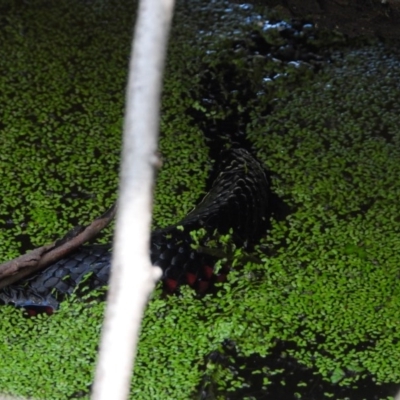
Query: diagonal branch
{"points": [[41, 257]]}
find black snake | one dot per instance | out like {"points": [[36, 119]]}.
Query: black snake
{"points": [[238, 201]]}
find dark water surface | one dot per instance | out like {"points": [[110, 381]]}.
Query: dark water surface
{"points": [[319, 319]]}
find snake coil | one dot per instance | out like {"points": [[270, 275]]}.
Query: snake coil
{"points": [[237, 201]]}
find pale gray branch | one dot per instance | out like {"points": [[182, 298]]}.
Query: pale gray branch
{"points": [[132, 276]]}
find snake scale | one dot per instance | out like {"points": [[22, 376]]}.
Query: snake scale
{"points": [[238, 200]]}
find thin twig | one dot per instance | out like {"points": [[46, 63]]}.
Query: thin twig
{"points": [[41, 257]]}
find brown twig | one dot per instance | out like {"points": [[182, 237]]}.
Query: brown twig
{"points": [[41, 257]]}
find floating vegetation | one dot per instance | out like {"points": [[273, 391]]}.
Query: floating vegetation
{"points": [[320, 112]]}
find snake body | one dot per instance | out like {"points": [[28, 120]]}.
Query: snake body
{"points": [[237, 201]]}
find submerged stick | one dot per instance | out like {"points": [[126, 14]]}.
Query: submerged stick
{"points": [[41, 257]]}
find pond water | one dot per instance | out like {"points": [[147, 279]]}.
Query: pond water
{"points": [[319, 318]]}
